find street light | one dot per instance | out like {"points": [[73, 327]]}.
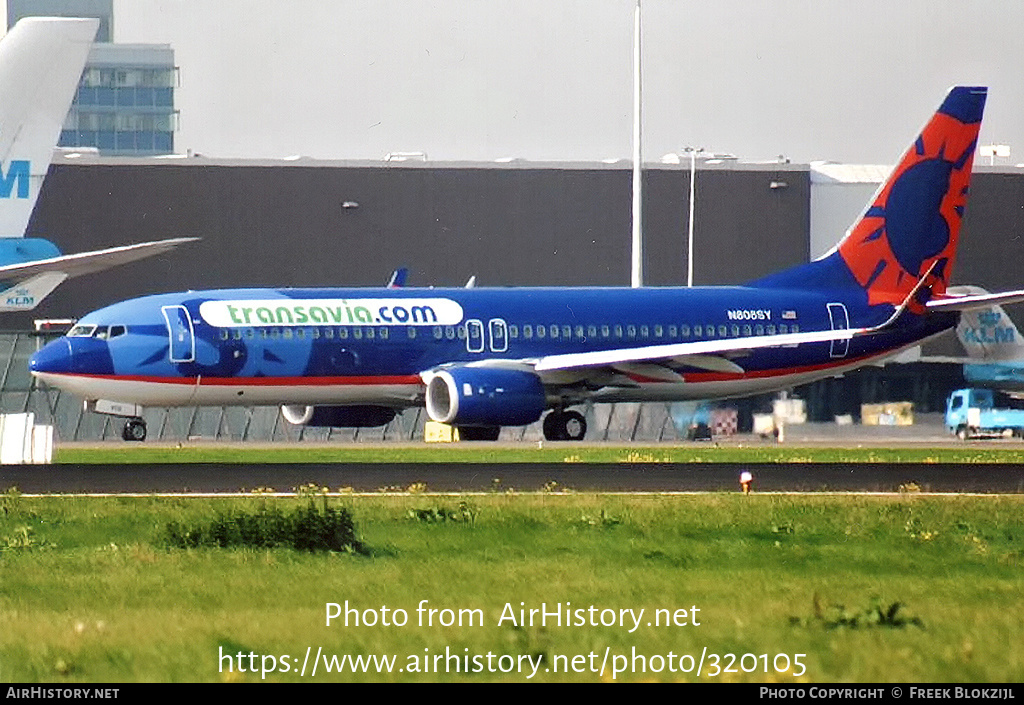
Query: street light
{"points": [[693, 152]]}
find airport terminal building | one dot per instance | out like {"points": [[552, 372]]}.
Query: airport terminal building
{"points": [[324, 223]]}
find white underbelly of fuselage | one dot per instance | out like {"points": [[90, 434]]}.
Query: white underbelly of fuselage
{"points": [[240, 392]]}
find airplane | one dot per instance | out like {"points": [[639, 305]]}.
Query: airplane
{"points": [[480, 358], [41, 62], [994, 347]]}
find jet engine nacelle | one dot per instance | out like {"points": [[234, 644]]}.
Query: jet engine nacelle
{"points": [[337, 416], [471, 396]]}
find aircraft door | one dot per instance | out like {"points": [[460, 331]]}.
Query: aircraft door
{"points": [[499, 335], [474, 335], [840, 320], [182, 337]]}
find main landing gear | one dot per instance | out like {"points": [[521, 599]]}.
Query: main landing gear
{"points": [[134, 430], [561, 425]]}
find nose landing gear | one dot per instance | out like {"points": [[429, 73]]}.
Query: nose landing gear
{"points": [[134, 430]]}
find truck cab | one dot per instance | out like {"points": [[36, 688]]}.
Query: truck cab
{"points": [[974, 412]]}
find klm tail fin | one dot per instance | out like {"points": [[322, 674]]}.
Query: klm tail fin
{"points": [[41, 61], [910, 228], [988, 334]]}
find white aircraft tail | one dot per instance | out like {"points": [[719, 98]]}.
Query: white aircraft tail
{"points": [[41, 62], [988, 333]]}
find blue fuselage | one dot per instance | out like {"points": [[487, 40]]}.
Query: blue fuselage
{"points": [[338, 346]]}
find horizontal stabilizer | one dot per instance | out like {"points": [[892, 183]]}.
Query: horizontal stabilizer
{"points": [[90, 262]]}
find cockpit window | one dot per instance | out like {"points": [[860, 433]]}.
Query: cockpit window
{"points": [[98, 332], [81, 331]]}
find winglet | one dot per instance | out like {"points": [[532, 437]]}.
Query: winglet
{"points": [[398, 278]]}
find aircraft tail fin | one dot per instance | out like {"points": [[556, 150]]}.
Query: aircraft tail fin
{"points": [[909, 229], [41, 62], [988, 334]]}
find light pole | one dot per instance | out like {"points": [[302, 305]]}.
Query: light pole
{"points": [[637, 269], [693, 152]]}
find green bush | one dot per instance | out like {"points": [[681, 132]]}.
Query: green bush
{"points": [[308, 528]]}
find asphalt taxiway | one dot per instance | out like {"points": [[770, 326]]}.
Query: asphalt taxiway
{"points": [[216, 478]]}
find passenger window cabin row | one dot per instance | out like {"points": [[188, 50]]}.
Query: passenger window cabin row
{"points": [[627, 332]]}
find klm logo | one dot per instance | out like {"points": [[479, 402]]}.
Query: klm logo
{"points": [[21, 297], [17, 173], [990, 331], [989, 335]]}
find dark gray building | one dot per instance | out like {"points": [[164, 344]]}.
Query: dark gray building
{"points": [[334, 223]]}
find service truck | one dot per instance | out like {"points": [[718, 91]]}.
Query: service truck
{"points": [[972, 413]]}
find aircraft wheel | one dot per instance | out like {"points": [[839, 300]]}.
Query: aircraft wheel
{"points": [[574, 426], [553, 426], [134, 430], [564, 426]]}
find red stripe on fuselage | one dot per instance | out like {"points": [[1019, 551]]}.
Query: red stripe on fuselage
{"points": [[415, 379], [260, 381]]}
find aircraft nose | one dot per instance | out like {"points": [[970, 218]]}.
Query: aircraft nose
{"points": [[72, 355], [54, 357]]}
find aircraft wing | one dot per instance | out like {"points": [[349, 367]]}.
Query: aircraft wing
{"points": [[89, 262], [713, 355], [656, 361]]}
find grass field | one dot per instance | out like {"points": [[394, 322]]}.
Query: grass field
{"points": [[905, 588], [529, 453]]}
